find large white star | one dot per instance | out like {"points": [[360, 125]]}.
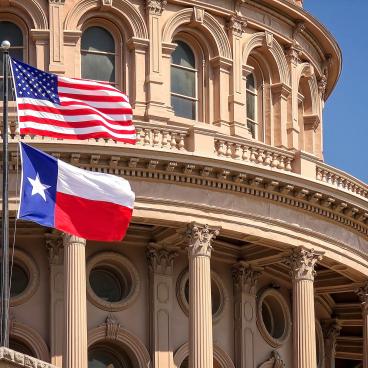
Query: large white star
{"points": [[38, 187]]}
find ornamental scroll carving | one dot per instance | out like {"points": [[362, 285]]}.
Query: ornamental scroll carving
{"points": [[245, 277], [331, 330], [160, 260], [237, 25], [275, 361], [302, 262], [199, 239], [155, 7]]}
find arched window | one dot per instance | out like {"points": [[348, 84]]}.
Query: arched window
{"points": [[251, 97], [105, 356], [20, 347], [11, 32], [98, 55], [184, 95]]}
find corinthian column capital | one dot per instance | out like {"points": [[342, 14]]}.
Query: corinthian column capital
{"points": [[199, 239], [245, 277], [54, 246], [302, 262], [160, 260], [362, 293], [155, 7], [331, 330]]}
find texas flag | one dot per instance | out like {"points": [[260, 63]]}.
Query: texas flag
{"points": [[92, 205]]}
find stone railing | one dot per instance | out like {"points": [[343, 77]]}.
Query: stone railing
{"points": [[254, 152], [12, 359], [341, 180], [162, 137]]}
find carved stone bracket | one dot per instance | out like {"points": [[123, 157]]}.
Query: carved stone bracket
{"points": [[112, 327], [237, 25], [302, 262], [275, 361], [293, 54], [199, 239], [160, 259], [57, 2], [155, 7], [245, 277]]}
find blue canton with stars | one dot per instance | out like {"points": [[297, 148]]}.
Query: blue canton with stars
{"points": [[34, 83]]}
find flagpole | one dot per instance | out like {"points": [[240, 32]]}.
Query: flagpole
{"points": [[5, 45]]}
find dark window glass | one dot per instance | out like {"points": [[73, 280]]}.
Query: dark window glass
{"points": [[107, 357], [12, 33], [108, 284], [273, 317], [183, 82], [98, 55], [251, 104], [19, 280], [20, 347], [251, 85]]}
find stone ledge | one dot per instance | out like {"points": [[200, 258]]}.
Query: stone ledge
{"points": [[12, 359]]}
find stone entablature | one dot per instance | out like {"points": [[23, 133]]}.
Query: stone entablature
{"points": [[13, 359]]}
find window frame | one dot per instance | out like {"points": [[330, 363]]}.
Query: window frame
{"points": [[120, 54]]}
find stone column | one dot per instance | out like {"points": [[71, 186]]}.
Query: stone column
{"points": [[54, 246], [161, 263], [331, 330], [301, 263], [245, 278], [199, 238], [75, 345], [363, 295]]}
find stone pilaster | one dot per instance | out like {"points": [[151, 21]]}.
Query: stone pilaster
{"points": [[363, 295], [56, 14], [199, 239], [302, 262], [75, 345], [54, 246], [245, 278], [236, 28], [331, 330], [160, 264], [156, 104]]}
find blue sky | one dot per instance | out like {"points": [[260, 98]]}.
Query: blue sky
{"points": [[346, 110]]}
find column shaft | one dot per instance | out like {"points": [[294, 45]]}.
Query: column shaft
{"points": [[75, 355]]}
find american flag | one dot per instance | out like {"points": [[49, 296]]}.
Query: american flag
{"points": [[55, 106]]}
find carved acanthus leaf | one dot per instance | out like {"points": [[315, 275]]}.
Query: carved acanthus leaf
{"points": [[237, 25], [155, 7], [160, 259], [199, 239], [245, 277]]}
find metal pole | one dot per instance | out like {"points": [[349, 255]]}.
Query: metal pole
{"points": [[5, 209]]}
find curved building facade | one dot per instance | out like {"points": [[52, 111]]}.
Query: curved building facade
{"points": [[246, 250]]}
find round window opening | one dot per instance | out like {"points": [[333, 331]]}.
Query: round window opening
{"points": [[218, 294], [19, 280], [108, 357], [113, 281], [109, 284], [273, 320]]}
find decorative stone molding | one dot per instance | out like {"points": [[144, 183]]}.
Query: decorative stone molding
{"points": [[302, 262], [31, 338], [199, 239], [198, 15], [57, 2], [121, 263], [112, 327], [245, 277], [210, 25], [293, 54], [29, 265], [182, 299], [35, 11], [121, 337], [237, 25], [124, 8], [219, 355], [298, 29], [160, 259], [259, 39], [283, 305], [15, 359], [155, 7], [275, 361]]}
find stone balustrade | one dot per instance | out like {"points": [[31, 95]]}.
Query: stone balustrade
{"points": [[256, 153], [341, 180], [13, 359]]}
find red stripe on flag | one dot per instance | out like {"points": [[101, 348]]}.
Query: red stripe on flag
{"points": [[77, 97], [92, 220]]}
